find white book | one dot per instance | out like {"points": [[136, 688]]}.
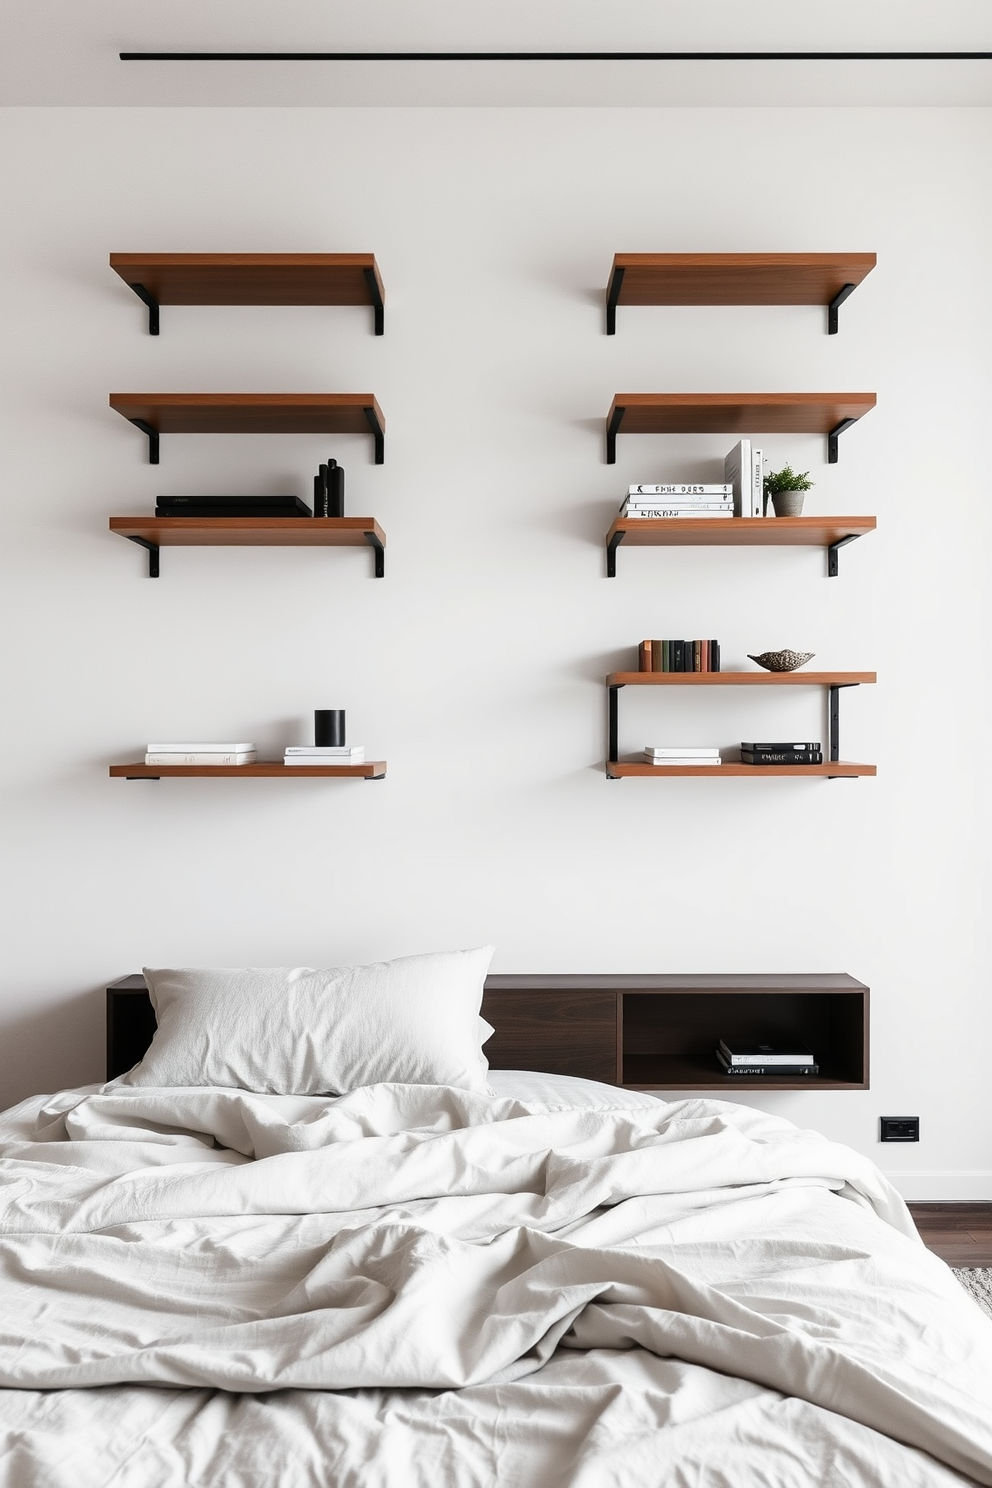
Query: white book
{"points": [[661, 752], [291, 760], [325, 751], [676, 511], [172, 757], [757, 483], [685, 760], [208, 748], [684, 489], [738, 470], [678, 503]]}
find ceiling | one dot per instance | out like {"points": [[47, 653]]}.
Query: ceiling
{"points": [[65, 52]]}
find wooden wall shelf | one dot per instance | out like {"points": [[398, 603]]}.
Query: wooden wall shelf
{"points": [[251, 413], [251, 279], [735, 279], [833, 767], [639, 1032], [736, 532], [260, 770], [154, 533], [735, 413]]}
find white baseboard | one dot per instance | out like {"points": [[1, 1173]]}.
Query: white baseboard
{"points": [[962, 1186]]}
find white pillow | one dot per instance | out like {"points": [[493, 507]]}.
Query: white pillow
{"points": [[297, 1031]]}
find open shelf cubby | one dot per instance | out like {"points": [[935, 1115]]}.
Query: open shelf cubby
{"points": [[643, 1032], [735, 413], [154, 533], [832, 768], [735, 279], [831, 533], [251, 279], [251, 413]]}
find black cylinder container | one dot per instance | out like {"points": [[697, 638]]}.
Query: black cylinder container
{"points": [[328, 727]]}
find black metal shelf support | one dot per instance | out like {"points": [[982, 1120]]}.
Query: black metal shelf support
{"points": [[613, 749], [834, 306], [146, 296], [378, 434], [612, 299], [612, 430], [153, 441], [153, 552], [611, 554], [380, 554], [833, 437], [375, 295], [833, 566]]}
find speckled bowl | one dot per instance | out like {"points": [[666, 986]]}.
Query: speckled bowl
{"points": [[782, 661]]}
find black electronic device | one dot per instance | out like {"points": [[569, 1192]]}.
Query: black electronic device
{"points": [[231, 506], [328, 491]]}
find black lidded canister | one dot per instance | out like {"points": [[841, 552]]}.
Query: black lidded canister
{"points": [[328, 727], [335, 489]]}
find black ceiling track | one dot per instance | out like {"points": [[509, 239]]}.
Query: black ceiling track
{"points": [[555, 56]]}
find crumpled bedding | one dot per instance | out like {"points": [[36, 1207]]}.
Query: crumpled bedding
{"points": [[414, 1285]]}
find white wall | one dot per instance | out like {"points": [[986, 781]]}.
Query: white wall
{"points": [[476, 667]]}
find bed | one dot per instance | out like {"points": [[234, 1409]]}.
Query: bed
{"points": [[491, 1277]]}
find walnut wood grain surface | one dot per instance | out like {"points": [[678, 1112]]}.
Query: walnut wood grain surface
{"points": [[250, 413], [634, 769], [250, 532], [250, 278], [261, 769], [960, 1233], [738, 679], [730, 532], [737, 413], [738, 278]]}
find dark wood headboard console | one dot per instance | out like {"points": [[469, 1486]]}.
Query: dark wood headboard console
{"points": [[645, 1032]]}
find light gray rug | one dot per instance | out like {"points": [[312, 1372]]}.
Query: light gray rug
{"points": [[978, 1281]]}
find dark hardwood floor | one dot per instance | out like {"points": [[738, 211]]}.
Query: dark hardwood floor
{"points": [[961, 1234]]}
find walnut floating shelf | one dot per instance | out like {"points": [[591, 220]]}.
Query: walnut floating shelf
{"points": [[251, 279], [251, 413], [261, 770], [738, 679], [154, 533], [843, 769], [735, 413], [735, 279], [736, 532]]}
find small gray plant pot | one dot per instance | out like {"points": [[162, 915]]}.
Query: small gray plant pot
{"points": [[788, 503]]}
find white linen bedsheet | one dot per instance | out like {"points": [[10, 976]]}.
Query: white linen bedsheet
{"points": [[412, 1285]]}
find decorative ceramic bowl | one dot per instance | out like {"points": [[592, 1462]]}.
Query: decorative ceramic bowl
{"points": [[782, 661]]}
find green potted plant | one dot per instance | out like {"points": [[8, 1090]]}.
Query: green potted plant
{"points": [[786, 490]]}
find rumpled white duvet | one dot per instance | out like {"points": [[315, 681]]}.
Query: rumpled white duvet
{"points": [[412, 1287]]}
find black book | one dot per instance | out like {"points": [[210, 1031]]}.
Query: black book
{"points": [[231, 506], [678, 657], [782, 744], [783, 757], [714, 656]]}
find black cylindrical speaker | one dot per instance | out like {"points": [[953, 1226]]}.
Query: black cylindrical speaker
{"points": [[335, 489], [328, 727]]}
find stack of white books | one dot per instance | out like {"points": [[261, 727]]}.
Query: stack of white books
{"points": [[685, 499], [238, 753], [656, 755], [324, 754]]}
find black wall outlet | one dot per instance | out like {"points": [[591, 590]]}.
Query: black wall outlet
{"points": [[900, 1129]]}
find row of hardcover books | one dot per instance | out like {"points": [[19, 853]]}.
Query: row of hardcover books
{"points": [[678, 656], [752, 753], [740, 494], [243, 752]]}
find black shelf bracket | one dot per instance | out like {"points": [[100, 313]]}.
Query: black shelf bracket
{"points": [[833, 566], [375, 295], [613, 748], [142, 777], [380, 560], [152, 562], [149, 299], [612, 299], [833, 437], [833, 725], [612, 430], [611, 554], [378, 434], [152, 438], [834, 306]]}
